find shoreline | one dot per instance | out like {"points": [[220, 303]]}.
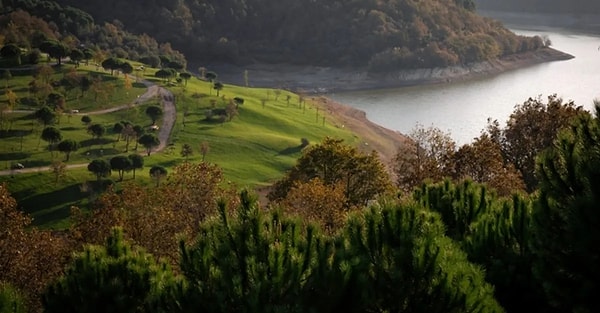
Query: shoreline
{"points": [[323, 80]]}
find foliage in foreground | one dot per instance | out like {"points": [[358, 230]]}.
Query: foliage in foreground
{"points": [[112, 278], [394, 258]]}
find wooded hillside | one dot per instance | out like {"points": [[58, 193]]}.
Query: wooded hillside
{"points": [[546, 6], [382, 34]]}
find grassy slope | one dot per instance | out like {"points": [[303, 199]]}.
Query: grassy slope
{"points": [[254, 149]]}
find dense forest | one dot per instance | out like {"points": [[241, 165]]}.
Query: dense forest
{"points": [[542, 6], [27, 24], [380, 34]]}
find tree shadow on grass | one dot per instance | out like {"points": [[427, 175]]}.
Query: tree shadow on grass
{"points": [[291, 150], [95, 141], [43, 207], [14, 133], [14, 156]]}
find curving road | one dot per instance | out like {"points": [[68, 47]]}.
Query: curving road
{"points": [[168, 121]]}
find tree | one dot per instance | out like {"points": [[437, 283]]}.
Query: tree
{"points": [[158, 173], [55, 49], [238, 101], [56, 101], [531, 128], [566, 217], [137, 162], [111, 64], [96, 130], [389, 259], [12, 234], [363, 176], [29, 258], [149, 141], [76, 56], [11, 52], [427, 156], [126, 68], [138, 131], [482, 162], [118, 129], [100, 168], [318, 203], [211, 77], [51, 135], [154, 113], [185, 76], [67, 146], [120, 163], [115, 277], [218, 86], [186, 151], [88, 54], [231, 111], [86, 119], [204, 148], [45, 115], [59, 170]]}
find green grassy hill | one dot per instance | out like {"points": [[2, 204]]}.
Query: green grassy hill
{"points": [[254, 148]]}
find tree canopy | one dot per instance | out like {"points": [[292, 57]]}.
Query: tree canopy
{"points": [[397, 34]]}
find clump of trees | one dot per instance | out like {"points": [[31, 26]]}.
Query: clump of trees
{"points": [[65, 31], [502, 157]]}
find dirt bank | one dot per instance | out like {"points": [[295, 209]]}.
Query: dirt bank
{"points": [[373, 137], [321, 80]]}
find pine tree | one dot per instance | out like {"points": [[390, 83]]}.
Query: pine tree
{"points": [[399, 260], [459, 205], [113, 278], [248, 261], [566, 217]]}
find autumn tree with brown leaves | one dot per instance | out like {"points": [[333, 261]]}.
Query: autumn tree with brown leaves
{"points": [[362, 176], [482, 162], [428, 156], [531, 128], [318, 203], [29, 258]]}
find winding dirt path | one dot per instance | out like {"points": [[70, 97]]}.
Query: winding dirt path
{"points": [[168, 121]]}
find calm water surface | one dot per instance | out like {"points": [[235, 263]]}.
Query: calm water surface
{"points": [[462, 108]]}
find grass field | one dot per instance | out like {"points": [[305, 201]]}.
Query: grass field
{"points": [[254, 148]]}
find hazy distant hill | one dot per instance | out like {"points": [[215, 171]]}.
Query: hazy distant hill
{"points": [[542, 6], [382, 34]]}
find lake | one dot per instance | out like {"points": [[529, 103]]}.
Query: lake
{"points": [[462, 108]]}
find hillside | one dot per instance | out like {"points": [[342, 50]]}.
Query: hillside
{"points": [[382, 35]]}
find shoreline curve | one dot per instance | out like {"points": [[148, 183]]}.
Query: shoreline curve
{"points": [[323, 80]]}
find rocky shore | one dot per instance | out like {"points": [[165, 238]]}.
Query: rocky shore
{"points": [[322, 80]]}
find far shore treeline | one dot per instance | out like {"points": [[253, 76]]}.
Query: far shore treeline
{"points": [[378, 35]]}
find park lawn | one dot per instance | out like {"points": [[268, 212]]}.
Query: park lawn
{"points": [[114, 90], [258, 145], [23, 143], [254, 149]]}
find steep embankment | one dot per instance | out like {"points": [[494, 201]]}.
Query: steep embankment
{"points": [[328, 79]]}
